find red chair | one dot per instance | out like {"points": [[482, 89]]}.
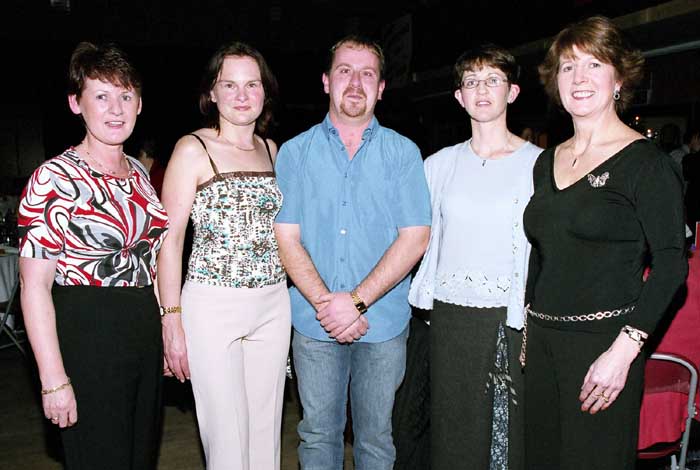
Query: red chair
{"points": [[672, 375]]}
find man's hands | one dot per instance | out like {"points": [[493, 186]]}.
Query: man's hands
{"points": [[340, 318]]}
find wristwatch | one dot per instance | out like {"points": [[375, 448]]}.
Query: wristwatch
{"points": [[636, 335], [359, 303]]}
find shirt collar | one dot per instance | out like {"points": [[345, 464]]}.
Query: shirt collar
{"points": [[367, 134]]}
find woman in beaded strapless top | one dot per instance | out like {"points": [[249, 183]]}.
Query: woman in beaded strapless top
{"points": [[227, 329], [234, 243]]}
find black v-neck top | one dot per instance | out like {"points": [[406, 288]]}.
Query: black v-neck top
{"points": [[592, 240]]}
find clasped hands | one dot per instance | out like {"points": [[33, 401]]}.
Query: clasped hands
{"points": [[340, 318]]}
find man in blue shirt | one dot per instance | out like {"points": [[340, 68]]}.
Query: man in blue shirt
{"points": [[354, 221]]}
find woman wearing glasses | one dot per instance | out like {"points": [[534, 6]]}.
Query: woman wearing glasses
{"points": [[231, 332], [473, 274]]}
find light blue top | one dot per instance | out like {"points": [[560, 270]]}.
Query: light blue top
{"points": [[349, 213], [478, 252]]}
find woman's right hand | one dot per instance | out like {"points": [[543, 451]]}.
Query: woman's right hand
{"points": [[175, 347], [60, 407]]}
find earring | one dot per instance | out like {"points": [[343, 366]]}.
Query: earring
{"points": [[616, 95]]}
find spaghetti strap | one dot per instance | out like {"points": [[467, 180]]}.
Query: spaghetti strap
{"points": [[211, 162], [269, 154]]}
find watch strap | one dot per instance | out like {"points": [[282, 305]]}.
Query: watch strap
{"points": [[359, 303]]}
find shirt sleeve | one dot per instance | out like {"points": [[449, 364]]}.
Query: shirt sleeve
{"points": [[413, 197], [659, 207], [44, 213], [288, 180]]}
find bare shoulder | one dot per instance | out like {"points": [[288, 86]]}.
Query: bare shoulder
{"points": [[190, 147], [189, 158], [273, 148]]}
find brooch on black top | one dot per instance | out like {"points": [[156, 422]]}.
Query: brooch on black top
{"points": [[598, 181]]}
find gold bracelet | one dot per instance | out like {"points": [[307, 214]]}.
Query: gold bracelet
{"points": [[166, 310], [46, 391]]}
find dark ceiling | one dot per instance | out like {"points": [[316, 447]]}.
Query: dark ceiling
{"points": [[170, 40]]}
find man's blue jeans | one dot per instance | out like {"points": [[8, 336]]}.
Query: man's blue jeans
{"points": [[374, 372]]}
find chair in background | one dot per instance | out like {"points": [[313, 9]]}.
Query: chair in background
{"points": [[11, 331], [668, 373]]}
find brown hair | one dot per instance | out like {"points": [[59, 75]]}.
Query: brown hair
{"points": [[355, 40], [486, 55], [601, 38], [211, 75], [101, 62]]}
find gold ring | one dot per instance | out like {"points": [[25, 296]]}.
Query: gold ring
{"points": [[604, 395]]}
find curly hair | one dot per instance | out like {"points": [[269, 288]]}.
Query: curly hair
{"points": [[601, 38]]}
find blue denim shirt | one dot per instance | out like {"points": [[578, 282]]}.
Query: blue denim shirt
{"points": [[349, 213]]}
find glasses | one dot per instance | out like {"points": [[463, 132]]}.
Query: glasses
{"points": [[491, 82]]}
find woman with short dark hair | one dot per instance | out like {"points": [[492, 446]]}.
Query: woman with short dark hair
{"points": [[473, 273], [91, 226], [607, 205]]}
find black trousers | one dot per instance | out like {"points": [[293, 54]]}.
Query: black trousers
{"points": [[110, 340], [559, 436], [462, 353], [411, 416]]}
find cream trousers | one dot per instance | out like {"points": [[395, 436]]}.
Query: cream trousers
{"points": [[237, 347]]}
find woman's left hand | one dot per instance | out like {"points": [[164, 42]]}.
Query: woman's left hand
{"points": [[606, 377]]}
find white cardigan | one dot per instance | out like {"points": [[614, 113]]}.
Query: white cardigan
{"points": [[437, 169]]}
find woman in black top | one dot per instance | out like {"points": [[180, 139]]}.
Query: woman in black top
{"points": [[607, 205]]}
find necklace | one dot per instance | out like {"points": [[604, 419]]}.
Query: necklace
{"points": [[243, 148], [239, 147], [503, 150], [97, 162], [575, 160]]}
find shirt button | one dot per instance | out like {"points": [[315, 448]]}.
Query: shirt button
{"points": [[342, 260], [517, 225], [517, 275], [342, 286], [343, 231], [516, 200]]}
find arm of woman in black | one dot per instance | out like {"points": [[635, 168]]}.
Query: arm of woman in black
{"points": [[658, 202]]}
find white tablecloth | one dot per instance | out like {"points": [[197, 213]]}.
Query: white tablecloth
{"points": [[8, 274]]}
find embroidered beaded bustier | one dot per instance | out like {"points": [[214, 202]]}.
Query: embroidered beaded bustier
{"points": [[234, 242]]}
